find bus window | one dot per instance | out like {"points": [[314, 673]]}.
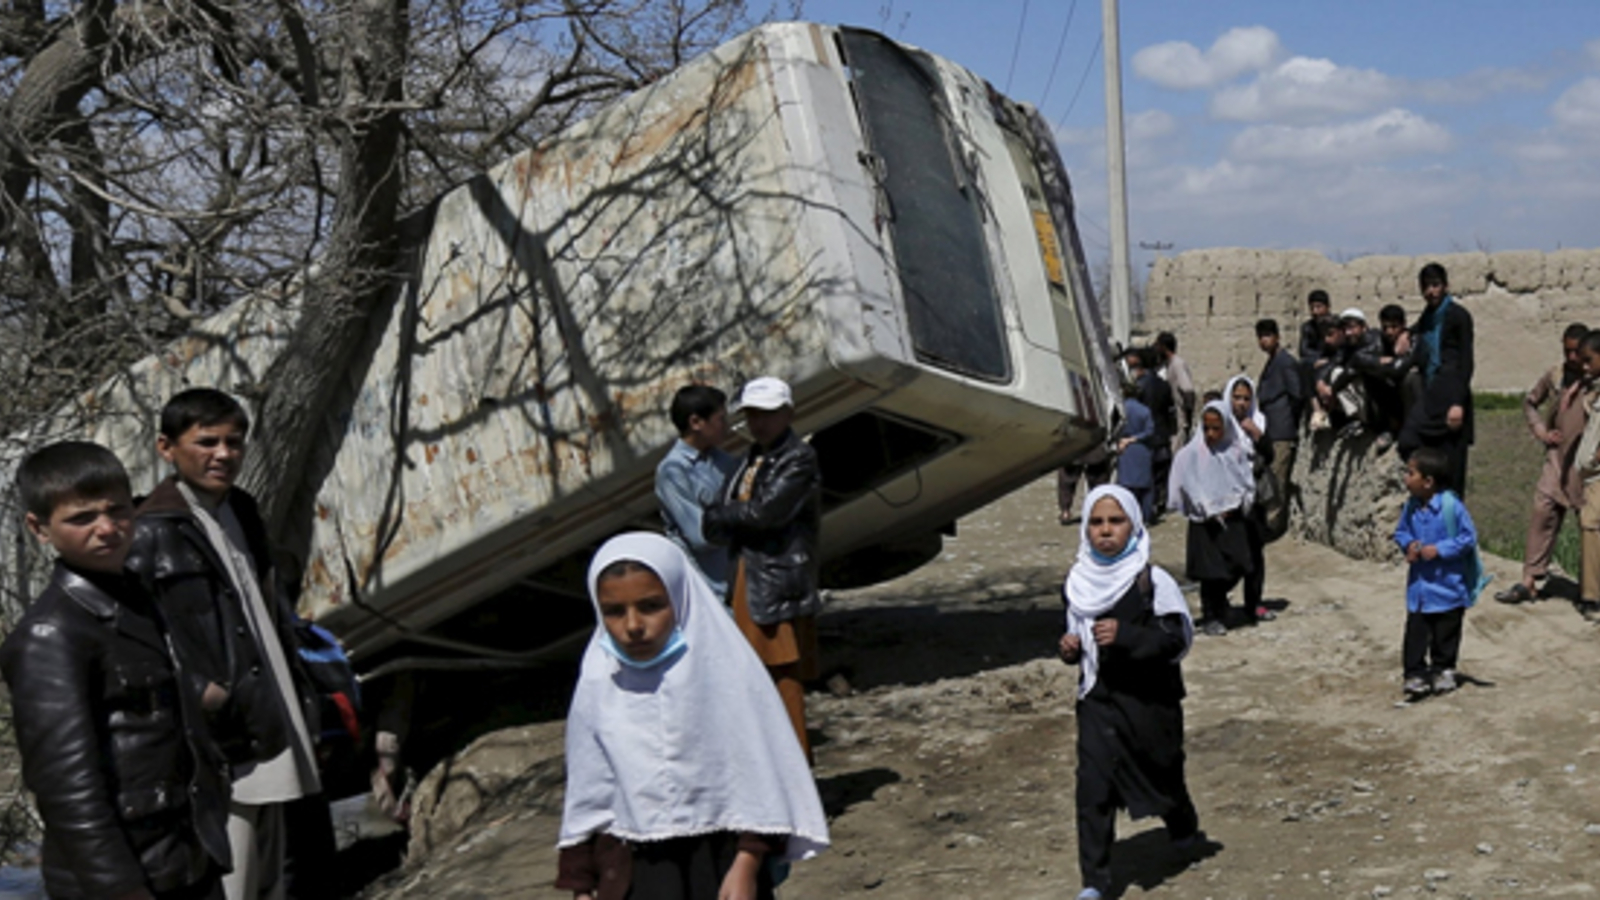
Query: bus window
{"points": [[935, 223]]}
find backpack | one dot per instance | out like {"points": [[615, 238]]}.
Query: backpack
{"points": [[334, 680], [1474, 575]]}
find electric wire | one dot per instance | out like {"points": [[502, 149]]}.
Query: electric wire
{"points": [[1016, 47], [1061, 122], [1061, 44]]}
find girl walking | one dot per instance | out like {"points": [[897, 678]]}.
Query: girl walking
{"points": [[1213, 485], [1127, 628]]}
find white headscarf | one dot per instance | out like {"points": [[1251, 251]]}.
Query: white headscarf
{"points": [[1207, 481], [1095, 584], [697, 743], [1256, 415]]}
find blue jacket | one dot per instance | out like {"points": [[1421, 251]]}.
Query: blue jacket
{"points": [[1437, 585], [1134, 463]]}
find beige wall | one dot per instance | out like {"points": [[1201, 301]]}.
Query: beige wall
{"points": [[1520, 301]]}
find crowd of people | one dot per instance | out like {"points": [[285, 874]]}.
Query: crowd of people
{"points": [[170, 732]]}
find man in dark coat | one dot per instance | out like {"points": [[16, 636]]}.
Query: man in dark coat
{"points": [[1157, 396], [770, 515], [1279, 396], [1442, 351]]}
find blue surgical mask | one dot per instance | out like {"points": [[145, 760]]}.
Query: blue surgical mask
{"points": [[1133, 544], [675, 645]]}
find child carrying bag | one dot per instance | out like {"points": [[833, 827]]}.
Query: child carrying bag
{"points": [[1474, 575]]}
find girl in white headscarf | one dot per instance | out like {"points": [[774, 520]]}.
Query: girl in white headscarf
{"points": [[683, 774], [1213, 485], [1127, 628], [1252, 424]]}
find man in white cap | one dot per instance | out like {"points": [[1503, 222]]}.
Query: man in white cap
{"points": [[1339, 386], [769, 514]]}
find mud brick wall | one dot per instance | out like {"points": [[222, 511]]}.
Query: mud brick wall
{"points": [[1520, 302]]}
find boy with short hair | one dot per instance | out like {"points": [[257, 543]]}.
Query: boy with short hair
{"points": [[691, 475], [134, 808], [1279, 396], [1439, 541], [201, 549]]}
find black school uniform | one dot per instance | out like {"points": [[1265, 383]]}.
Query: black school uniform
{"points": [[1130, 733]]}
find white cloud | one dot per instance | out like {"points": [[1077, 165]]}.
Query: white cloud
{"points": [[1304, 88], [1151, 124], [1578, 108], [1182, 66], [1388, 135], [1592, 50]]}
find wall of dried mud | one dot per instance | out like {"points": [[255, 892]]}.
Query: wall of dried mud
{"points": [[1520, 302]]}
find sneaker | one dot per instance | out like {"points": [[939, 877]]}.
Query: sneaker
{"points": [[1444, 682], [1415, 687], [1589, 609], [1214, 628], [1264, 614], [1090, 894]]}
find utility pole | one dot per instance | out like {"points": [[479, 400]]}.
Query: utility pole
{"points": [[1121, 289]]}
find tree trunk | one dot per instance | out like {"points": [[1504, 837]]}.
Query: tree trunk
{"points": [[355, 274]]}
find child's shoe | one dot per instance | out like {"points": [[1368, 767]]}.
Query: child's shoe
{"points": [[1214, 628], [1090, 894], [1444, 682], [1416, 687]]}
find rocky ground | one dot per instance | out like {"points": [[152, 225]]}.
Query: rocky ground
{"points": [[949, 771]]}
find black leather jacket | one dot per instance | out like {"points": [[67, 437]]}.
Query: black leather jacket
{"points": [[130, 794], [775, 531], [181, 570]]}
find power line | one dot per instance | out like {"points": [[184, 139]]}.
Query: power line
{"points": [[1061, 122], [1060, 45], [1016, 48]]}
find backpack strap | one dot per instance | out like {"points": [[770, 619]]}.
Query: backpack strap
{"points": [[1147, 587]]}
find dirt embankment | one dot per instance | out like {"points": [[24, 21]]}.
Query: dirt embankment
{"points": [[950, 772]]}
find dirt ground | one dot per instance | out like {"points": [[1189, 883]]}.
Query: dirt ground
{"points": [[949, 771]]}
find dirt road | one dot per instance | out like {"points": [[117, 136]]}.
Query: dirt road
{"points": [[950, 772]]}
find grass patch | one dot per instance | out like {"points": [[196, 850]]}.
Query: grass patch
{"points": [[1502, 469], [1496, 402]]}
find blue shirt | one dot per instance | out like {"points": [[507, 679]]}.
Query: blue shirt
{"points": [[1437, 585], [1134, 465], [686, 481]]}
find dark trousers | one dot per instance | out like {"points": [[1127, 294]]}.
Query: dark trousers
{"points": [[310, 848], [1097, 832], [1433, 642], [1094, 475], [1214, 591]]}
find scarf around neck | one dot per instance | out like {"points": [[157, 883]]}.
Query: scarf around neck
{"points": [[1096, 583], [1208, 481]]}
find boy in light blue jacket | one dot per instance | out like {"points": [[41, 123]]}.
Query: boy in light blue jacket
{"points": [[1440, 544]]}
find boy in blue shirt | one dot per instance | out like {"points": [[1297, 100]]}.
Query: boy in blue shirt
{"points": [[1439, 541], [692, 474]]}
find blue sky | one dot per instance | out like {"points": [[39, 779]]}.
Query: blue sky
{"points": [[1353, 127]]}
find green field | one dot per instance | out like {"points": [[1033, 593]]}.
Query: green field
{"points": [[1502, 469]]}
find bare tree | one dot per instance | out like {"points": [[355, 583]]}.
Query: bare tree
{"points": [[160, 160]]}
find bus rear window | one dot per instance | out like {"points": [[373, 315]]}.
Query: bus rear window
{"points": [[935, 224]]}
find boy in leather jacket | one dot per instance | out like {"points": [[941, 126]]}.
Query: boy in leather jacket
{"points": [[200, 547], [134, 806], [769, 515]]}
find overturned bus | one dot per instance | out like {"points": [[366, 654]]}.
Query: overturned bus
{"points": [[873, 224]]}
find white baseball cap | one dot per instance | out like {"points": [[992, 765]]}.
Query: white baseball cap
{"points": [[766, 393], [1353, 313]]}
